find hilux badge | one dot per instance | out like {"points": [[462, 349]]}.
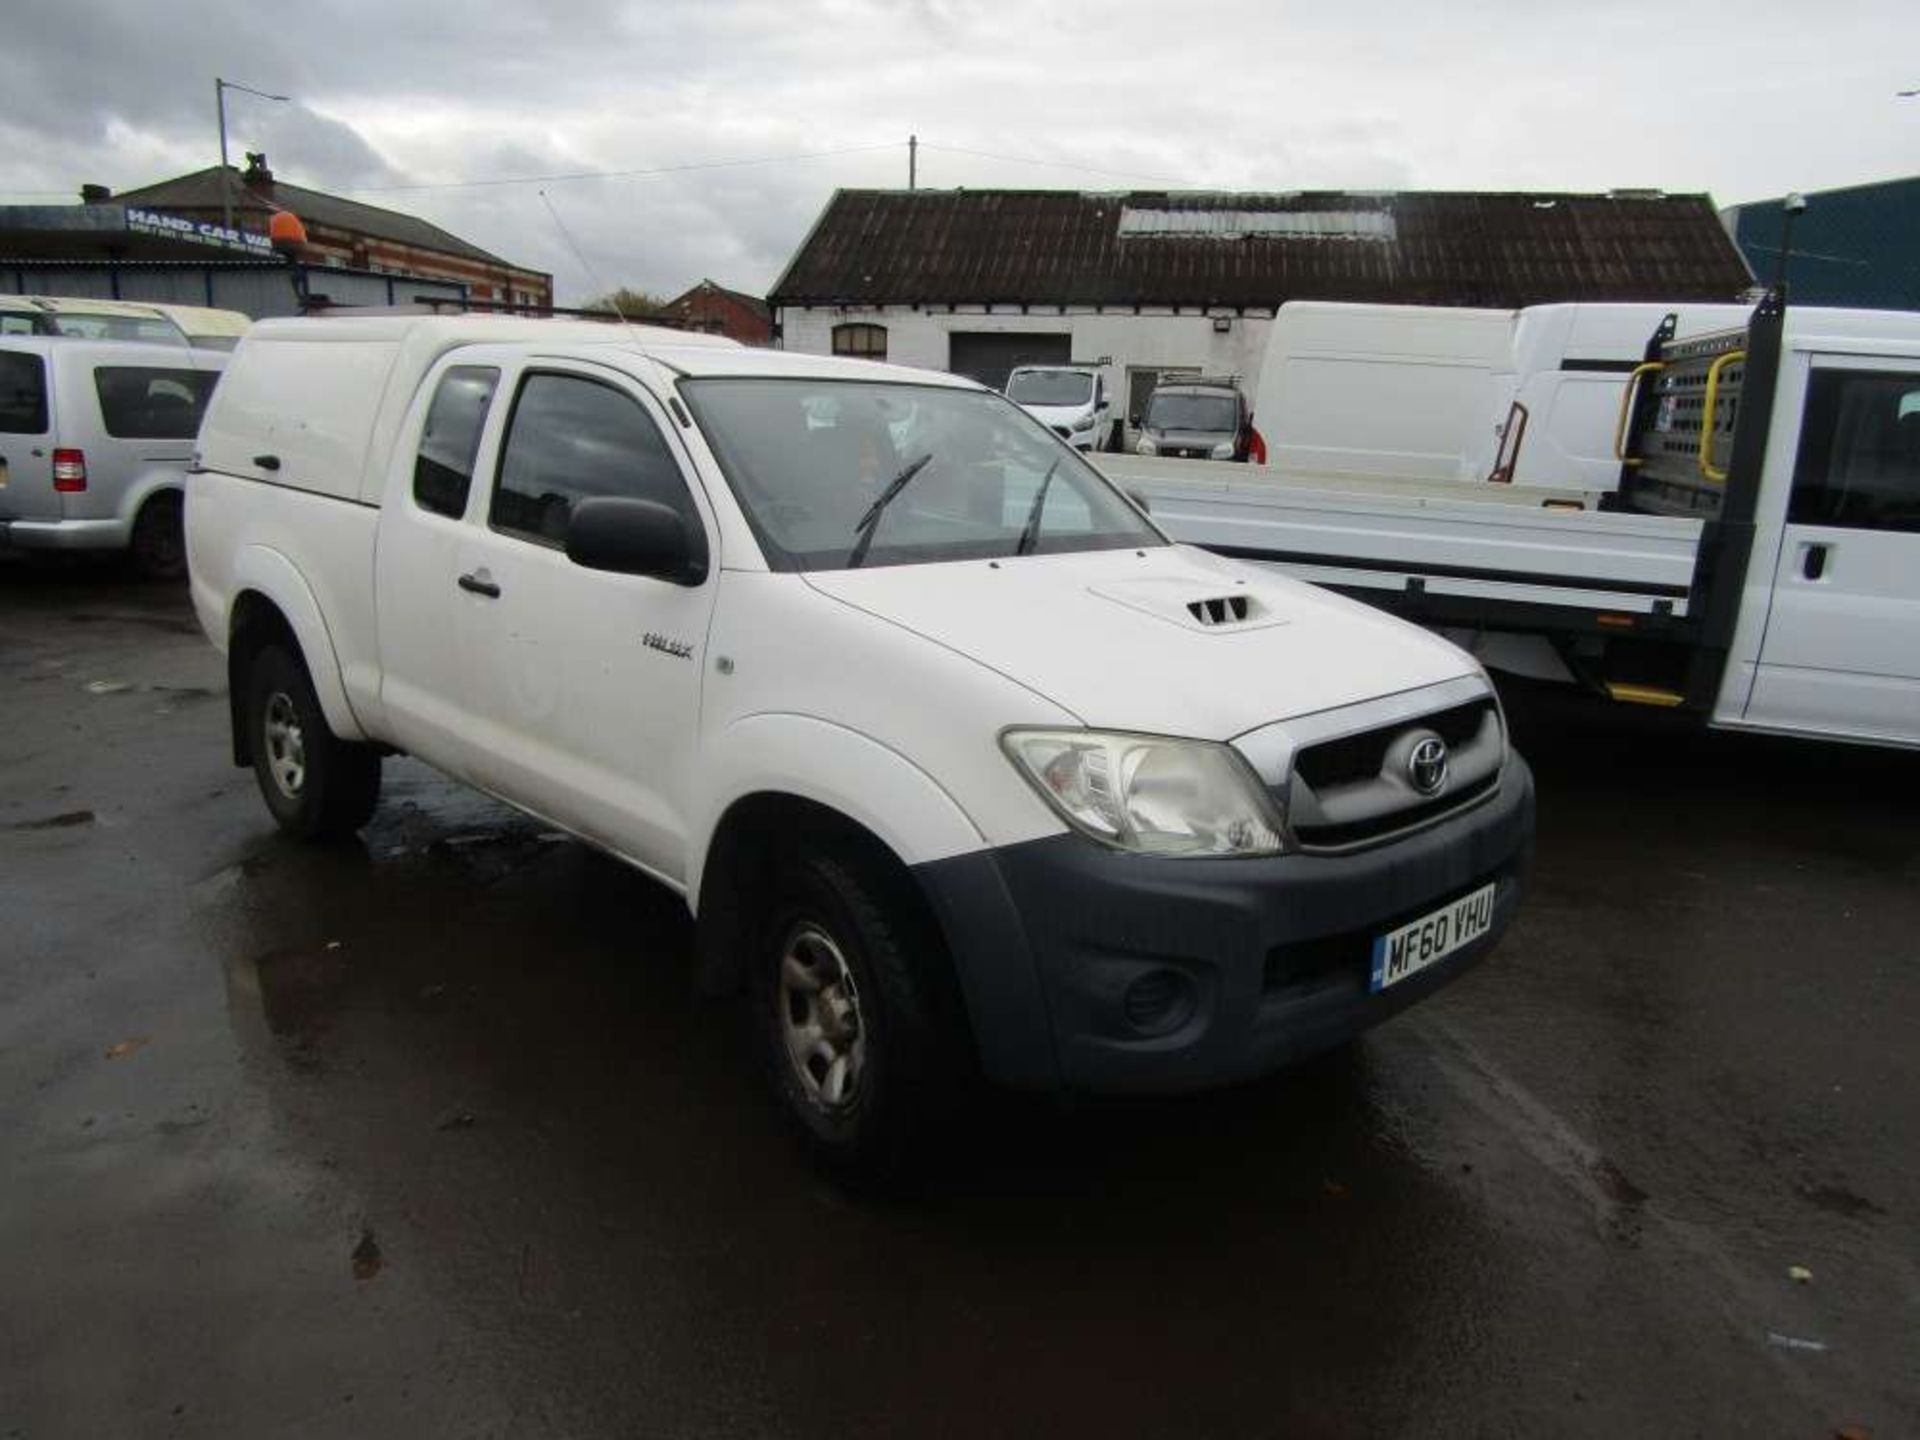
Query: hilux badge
{"points": [[680, 649]]}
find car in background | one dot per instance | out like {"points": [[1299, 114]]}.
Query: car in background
{"points": [[196, 325], [1070, 400], [95, 440], [1199, 418]]}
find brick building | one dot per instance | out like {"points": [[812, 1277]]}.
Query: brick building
{"points": [[342, 233], [720, 311]]}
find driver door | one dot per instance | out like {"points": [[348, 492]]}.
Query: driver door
{"points": [[584, 686]]}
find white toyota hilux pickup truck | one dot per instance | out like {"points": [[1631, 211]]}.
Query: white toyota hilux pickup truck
{"points": [[962, 767]]}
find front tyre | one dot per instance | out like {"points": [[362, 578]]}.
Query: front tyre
{"points": [[855, 1033], [316, 785]]}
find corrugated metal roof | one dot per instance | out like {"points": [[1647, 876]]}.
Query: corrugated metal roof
{"points": [[1056, 247]]}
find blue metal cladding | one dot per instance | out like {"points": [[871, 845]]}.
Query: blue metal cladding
{"points": [[1857, 247]]}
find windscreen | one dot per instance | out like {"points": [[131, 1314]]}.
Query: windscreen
{"points": [[1050, 387], [809, 460], [1173, 410]]}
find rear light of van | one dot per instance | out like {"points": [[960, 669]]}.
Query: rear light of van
{"points": [[70, 471]]}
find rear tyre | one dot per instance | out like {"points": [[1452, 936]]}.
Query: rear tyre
{"points": [[316, 785], [859, 1040], [159, 543]]}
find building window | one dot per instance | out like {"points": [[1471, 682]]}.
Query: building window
{"points": [[867, 342]]}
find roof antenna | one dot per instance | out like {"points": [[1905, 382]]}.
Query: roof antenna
{"points": [[613, 297]]}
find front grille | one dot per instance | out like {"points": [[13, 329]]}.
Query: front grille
{"points": [[1352, 790], [1358, 832], [1359, 757]]}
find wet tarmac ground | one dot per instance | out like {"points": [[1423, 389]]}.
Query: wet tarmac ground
{"points": [[427, 1136]]}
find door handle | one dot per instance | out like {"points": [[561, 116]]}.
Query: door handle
{"points": [[478, 584], [1813, 564], [267, 462]]}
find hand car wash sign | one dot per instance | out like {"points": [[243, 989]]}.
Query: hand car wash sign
{"points": [[196, 232]]}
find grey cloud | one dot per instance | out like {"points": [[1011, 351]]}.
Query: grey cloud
{"points": [[1240, 93]]}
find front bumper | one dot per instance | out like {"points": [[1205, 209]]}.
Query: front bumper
{"points": [[1049, 937]]}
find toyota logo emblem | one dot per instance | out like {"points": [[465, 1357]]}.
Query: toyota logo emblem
{"points": [[1427, 765]]}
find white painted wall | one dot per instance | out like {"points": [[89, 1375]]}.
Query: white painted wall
{"points": [[1153, 339]]}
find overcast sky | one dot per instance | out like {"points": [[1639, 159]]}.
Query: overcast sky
{"points": [[1743, 101]]}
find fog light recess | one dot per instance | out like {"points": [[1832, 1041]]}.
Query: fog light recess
{"points": [[1160, 1001]]}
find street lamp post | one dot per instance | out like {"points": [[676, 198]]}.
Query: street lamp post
{"points": [[220, 88]]}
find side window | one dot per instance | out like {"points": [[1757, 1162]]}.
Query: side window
{"points": [[867, 342], [1859, 460], [148, 403], [23, 394], [570, 439], [443, 470]]}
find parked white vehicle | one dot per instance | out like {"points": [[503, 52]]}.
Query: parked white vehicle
{"points": [[1070, 400], [961, 766], [88, 319], [95, 438], [1427, 392], [1759, 566]]}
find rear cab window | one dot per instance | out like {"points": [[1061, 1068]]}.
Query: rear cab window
{"points": [[23, 393], [450, 443], [571, 438], [150, 402]]}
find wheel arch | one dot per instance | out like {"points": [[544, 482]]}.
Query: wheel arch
{"points": [[749, 841], [271, 602], [147, 487]]}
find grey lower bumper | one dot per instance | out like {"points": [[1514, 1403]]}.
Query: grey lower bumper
{"points": [[1272, 957], [108, 534]]}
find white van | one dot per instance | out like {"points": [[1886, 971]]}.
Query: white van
{"points": [[1429, 392], [962, 767], [1070, 400], [95, 439]]}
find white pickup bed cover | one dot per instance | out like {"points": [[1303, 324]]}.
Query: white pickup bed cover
{"points": [[1482, 541]]}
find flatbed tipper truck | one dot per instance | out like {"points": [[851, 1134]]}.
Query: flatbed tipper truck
{"points": [[1759, 563]]}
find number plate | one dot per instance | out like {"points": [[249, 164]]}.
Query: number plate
{"points": [[1420, 943]]}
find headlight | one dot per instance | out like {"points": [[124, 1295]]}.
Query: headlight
{"points": [[1146, 446], [1224, 450], [1083, 422], [1149, 794]]}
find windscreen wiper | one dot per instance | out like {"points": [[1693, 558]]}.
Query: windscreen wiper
{"points": [[870, 521], [1030, 536]]}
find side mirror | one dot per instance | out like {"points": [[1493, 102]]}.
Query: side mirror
{"points": [[1140, 499], [636, 537]]}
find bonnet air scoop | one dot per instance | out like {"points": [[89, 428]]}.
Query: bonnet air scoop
{"points": [[1222, 610], [1206, 605]]}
